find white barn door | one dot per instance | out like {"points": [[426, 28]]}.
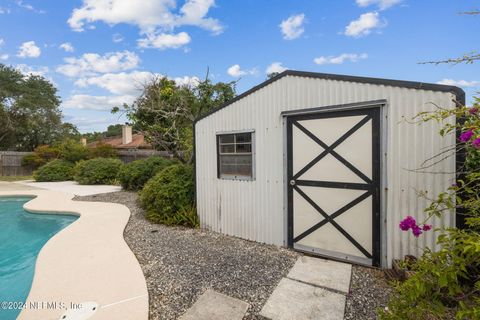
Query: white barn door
{"points": [[333, 184]]}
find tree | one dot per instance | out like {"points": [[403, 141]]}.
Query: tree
{"points": [[29, 111], [69, 131], [114, 130], [165, 112], [272, 75]]}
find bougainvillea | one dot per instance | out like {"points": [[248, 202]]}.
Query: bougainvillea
{"points": [[446, 283], [410, 223], [466, 136]]}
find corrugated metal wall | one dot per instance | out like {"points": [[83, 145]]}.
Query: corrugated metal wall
{"points": [[254, 210]]}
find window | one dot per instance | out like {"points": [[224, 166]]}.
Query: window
{"points": [[235, 156]]}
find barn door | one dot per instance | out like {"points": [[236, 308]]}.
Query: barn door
{"points": [[333, 184]]}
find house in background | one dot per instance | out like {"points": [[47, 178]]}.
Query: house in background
{"points": [[127, 141], [130, 146], [324, 164]]}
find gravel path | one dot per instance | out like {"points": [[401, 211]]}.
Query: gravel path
{"points": [[369, 290], [179, 264]]}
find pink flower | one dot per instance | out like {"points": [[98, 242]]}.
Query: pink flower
{"points": [[416, 230], [426, 227], [466, 136], [473, 110], [410, 223], [407, 223], [476, 143]]}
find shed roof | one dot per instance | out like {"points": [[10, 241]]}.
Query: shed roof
{"points": [[459, 93]]}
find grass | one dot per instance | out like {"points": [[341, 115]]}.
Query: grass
{"points": [[15, 178]]}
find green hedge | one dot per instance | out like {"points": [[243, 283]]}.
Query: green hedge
{"points": [[72, 150], [102, 150], [134, 175], [56, 170], [168, 197], [97, 171], [40, 156]]}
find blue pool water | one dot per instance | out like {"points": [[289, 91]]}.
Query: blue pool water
{"points": [[22, 236]]}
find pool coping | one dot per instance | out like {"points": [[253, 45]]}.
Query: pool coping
{"points": [[88, 261]]}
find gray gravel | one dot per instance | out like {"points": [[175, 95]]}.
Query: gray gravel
{"points": [[179, 264], [369, 290]]}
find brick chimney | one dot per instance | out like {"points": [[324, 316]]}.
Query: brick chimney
{"points": [[126, 134]]}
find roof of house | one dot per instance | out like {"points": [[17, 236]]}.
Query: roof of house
{"points": [[138, 142], [460, 94]]}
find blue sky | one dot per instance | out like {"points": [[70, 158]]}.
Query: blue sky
{"points": [[98, 52]]}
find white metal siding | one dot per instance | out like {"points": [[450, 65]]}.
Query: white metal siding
{"points": [[254, 210]]}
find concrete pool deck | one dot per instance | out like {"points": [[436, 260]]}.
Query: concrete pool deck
{"points": [[71, 187], [88, 261]]}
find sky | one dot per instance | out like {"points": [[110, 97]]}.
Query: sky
{"points": [[99, 52]]}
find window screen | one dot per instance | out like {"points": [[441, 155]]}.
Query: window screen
{"points": [[235, 157]]}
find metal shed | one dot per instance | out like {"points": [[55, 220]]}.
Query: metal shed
{"points": [[324, 164]]}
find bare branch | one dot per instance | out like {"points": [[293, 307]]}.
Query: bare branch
{"points": [[473, 12], [467, 59]]}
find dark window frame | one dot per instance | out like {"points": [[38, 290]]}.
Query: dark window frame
{"points": [[235, 144]]}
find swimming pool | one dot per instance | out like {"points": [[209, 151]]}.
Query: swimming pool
{"points": [[22, 236]]}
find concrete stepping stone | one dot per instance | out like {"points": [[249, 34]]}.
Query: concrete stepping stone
{"points": [[293, 300], [323, 273], [212, 305]]}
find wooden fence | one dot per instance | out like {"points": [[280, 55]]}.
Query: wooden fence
{"points": [[11, 164], [11, 161], [135, 154]]}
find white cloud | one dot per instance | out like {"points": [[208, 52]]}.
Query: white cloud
{"points": [[352, 57], [165, 41], [90, 64], [4, 10], [117, 38], [236, 71], [27, 6], [118, 83], [363, 25], [194, 13], [124, 83], [83, 122], [67, 47], [292, 27], [31, 70], [382, 4], [2, 42], [148, 15], [460, 83], [275, 67], [29, 50], [187, 81], [105, 103]]}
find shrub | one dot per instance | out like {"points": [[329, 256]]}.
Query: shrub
{"points": [[56, 170], [134, 175], [168, 197], [97, 171], [186, 216], [102, 150], [446, 284], [73, 151], [40, 156]]}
